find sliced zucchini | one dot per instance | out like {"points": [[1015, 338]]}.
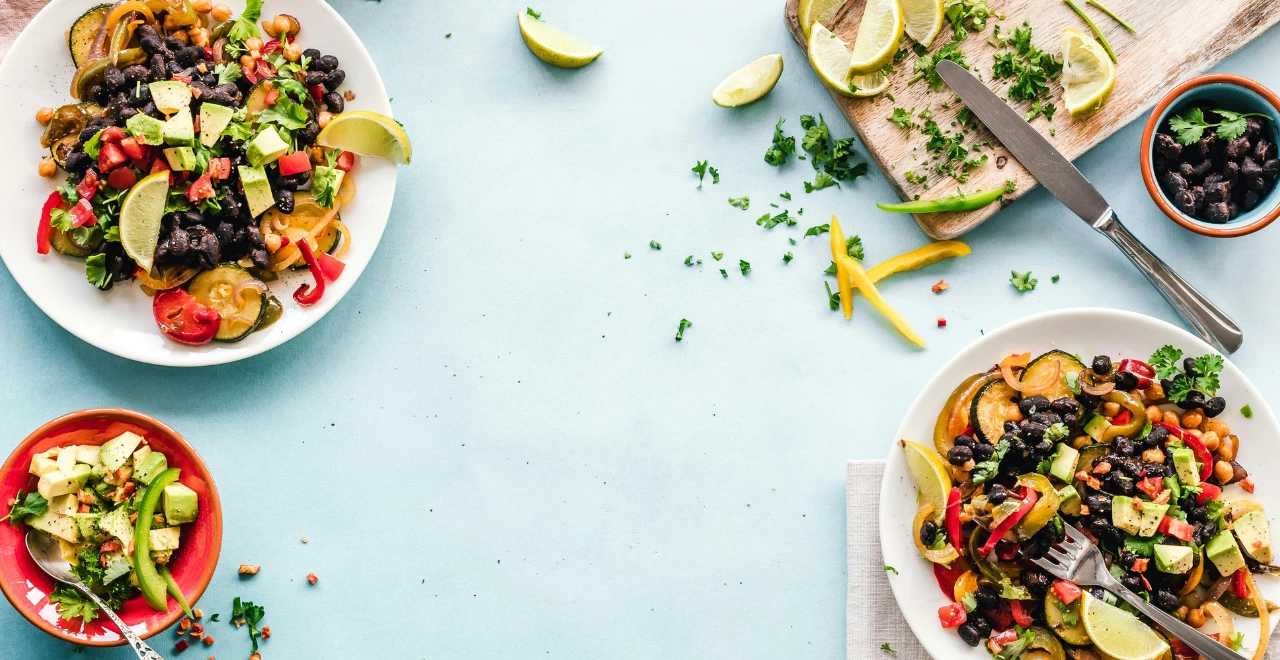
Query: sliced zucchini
{"points": [[987, 413], [1044, 646], [62, 148], [1037, 368], [84, 31], [217, 287], [64, 244], [1073, 635]]}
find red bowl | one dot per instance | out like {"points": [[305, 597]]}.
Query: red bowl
{"points": [[27, 587]]}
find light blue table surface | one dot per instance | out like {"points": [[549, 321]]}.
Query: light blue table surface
{"points": [[494, 445]]}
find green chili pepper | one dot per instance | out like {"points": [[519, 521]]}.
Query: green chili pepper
{"points": [[961, 202], [221, 29], [1093, 26], [122, 34], [175, 591], [152, 584], [90, 74]]}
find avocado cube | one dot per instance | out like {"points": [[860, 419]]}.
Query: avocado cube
{"points": [[117, 450], [1254, 533], [151, 467], [1125, 515], [89, 454], [1063, 464], [1096, 427], [181, 159], [170, 96], [166, 539], [257, 189], [181, 504], [265, 147], [1184, 462], [66, 459], [42, 465], [1175, 559], [65, 504], [1069, 500], [1149, 522], [180, 129], [60, 483], [1224, 553], [146, 129], [214, 119], [56, 524], [116, 523], [87, 523]]}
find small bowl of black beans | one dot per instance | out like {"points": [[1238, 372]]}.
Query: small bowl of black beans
{"points": [[1209, 155]]}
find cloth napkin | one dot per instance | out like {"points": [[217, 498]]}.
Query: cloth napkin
{"points": [[14, 15]]}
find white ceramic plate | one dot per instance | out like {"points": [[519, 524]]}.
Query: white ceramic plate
{"points": [[37, 72], [1088, 332]]}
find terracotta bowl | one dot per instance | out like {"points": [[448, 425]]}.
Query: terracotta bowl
{"points": [[1230, 92], [27, 587]]}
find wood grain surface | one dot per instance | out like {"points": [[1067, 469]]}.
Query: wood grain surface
{"points": [[1175, 39]]}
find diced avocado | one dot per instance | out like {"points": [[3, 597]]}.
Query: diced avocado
{"points": [[1255, 536], [1174, 559], [165, 539], [56, 524], [170, 96], [181, 159], [89, 454], [64, 504], [1096, 426], [1152, 513], [146, 129], [257, 189], [116, 523], [87, 523], [152, 466], [116, 451], [1124, 515], [265, 147], [181, 504], [1063, 463], [42, 465], [141, 454], [69, 551], [118, 566], [60, 483], [214, 119], [1069, 500], [1224, 553], [66, 459], [180, 129], [1184, 462]]}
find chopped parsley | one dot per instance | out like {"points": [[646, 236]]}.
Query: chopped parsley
{"points": [[744, 266], [717, 255], [902, 117], [33, 504], [724, 273], [885, 647], [1072, 381], [247, 25], [700, 168], [530, 11], [817, 230], [783, 146], [1207, 367], [832, 157], [1143, 547], [1191, 125], [688, 261], [626, 255], [1246, 411], [1057, 432], [890, 568], [1028, 67], [769, 222], [655, 245], [785, 195], [833, 301], [1023, 281], [684, 323], [740, 202], [926, 65], [986, 470], [95, 270], [1237, 641], [786, 258], [1054, 279], [72, 605], [250, 614]]}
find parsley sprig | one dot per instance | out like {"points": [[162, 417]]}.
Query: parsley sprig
{"points": [[30, 505], [1191, 125], [1205, 380], [247, 612], [1023, 281], [986, 470], [783, 145]]}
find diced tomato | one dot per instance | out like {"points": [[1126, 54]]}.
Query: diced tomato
{"points": [[1151, 486], [220, 168], [346, 161], [159, 165], [264, 69], [1208, 492], [184, 319], [1001, 639], [133, 148], [317, 93], [271, 97], [1177, 528], [111, 157], [332, 268], [952, 616], [1123, 418], [1240, 583], [44, 230], [122, 178], [1181, 650], [1140, 566], [82, 214], [1020, 615], [200, 189], [270, 47], [112, 135], [88, 186], [1067, 592], [110, 546], [295, 163], [249, 74], [182, 79]]}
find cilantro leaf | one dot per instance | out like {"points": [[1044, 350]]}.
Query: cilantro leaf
{"points": [[31, 505], [228, 73], [1189, 127], [684, 323], [252, 615], [715, 175], [1165, 361], [885, 646], [833, 301], [72, 605], [324, 185], [817, 230], [902, 117], [1057, 433], [853, 246], [783, 146], [786, 258], [247, 25], [1143, 547], [1072, 381], [821, 180], [95, 270], [740, 202], [700, 168], [986, 470], [1023, 281], [1246, 411]]}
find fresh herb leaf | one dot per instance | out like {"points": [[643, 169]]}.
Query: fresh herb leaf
{"points": [[33, 504], [684, 323], [1246, 411], [252, 615], [833, 301], [72, 605], [626, 255], [890, 568], [769, 222], [744, 266], [530, 11], [247, 25], [885, 647], [1023, 281], [740, 202], [1143, 547], [902, 117], [717, 255], [783, 146], [655, 245], [986, 470], [817, 230], [853, 246], [324, 184], [1072, 381], [724, 273], [1057, 432], [715, 175], [700, 168], [786, 258], [1011, 591], [228, 73], [95, 270]]}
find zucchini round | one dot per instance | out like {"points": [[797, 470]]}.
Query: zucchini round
{"points": [[62, 242], [216, 288], [987, 413], [62, 148], [83, 32], [1043, 647], [1037, 368], [1073, 635]]}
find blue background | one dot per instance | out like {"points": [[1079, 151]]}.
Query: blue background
{"points": [[494, 445]]}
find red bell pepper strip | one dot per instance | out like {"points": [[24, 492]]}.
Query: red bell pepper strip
{"points": [[1240, 583], [948, 575], [270, 47], [1181, 650], [44, 230], [305, 295], [332, 269], [249, 74], [952, 516], [1019, 615], [1067, 592], [1197, 447], [82, 214], [264, 70], [1141, 369], [295, 163], [1123, 418], [88, 186], [1208, 492], [1177, 528], [1029, 498], [952, 616], [317, 93], [184, 319]]}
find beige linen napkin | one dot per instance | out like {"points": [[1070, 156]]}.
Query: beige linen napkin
{"points": [[14, 15]]}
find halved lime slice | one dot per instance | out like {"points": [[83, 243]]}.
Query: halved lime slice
{"points": [[555, 47], [750, 83], [1118, 633], [931, 475], [879, 33], [1088, 75], [369, 134], [140, 216], [822, 12], [830, 59]]}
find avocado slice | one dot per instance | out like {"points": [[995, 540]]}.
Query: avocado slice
{"points": [[257, 189], [146, 129], [214, 119], [152, 465], [170, 96], [61, 483], [1184, 463], [1063, 463], [1175, 559], [56, 524], [1224, 553], [265, 147], [117, 450], [180, 129], [181, 159], [1152, 513], [181, 504], [1069, 500], [1254, 533], [1125, 515], [165, 539], [1096, 426]]}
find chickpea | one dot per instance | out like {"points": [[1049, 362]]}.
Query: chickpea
{"points": [[47, 168], [220, 12], [1211, 441], [325, 117], [253, 44], [1181, 612], [1192, 418], [1111, 409], [317, 156], [199, 37], [268, 26], [181, 35], [1155, 392], [1195, 432], [1195, 618], [292, 52], [1171, 418], [246, 61], [1155, 414], [1219, 427], [202, 6], [44, 115], [1223, 471], [282, 25], [1229, 447], [1153, 455]]}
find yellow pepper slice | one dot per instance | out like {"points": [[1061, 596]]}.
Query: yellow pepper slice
{"points": [[918, 258], [843, 278], [859, 277]]}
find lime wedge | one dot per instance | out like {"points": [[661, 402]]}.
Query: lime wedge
{"points": [[923, 19], [931, 475], [140, 216], [869, 84], [829, 57], [368, 134], [1088, 75], [555, 47], [750, 83], [1118, 633], [817, 11], [878, 35]]}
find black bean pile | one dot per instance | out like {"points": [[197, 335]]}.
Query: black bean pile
{"points": [[1216, 180], [192, 238]]}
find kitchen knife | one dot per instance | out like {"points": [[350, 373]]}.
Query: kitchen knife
{"points": [[1060, 177]]}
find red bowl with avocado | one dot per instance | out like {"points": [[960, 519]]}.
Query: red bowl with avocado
{"points": [[192, 564]]}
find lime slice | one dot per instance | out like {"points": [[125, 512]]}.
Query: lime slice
{"points": [[930, 474], [1088, 75], [817, 11], [867, 85], [923, 19], [140, 218], [555, 47], [829, 57], [369, 134], [878, 36], [750, 83], [1118, 633]]}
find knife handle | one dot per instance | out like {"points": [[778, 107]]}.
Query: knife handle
{"points": [[1211, 323]]}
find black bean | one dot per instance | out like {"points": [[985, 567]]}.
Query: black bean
{"points": [[983, 452], [226, 234], [1253, 126], [174, 44], [1010, 427], [928, 532], [988, 598], [1173, 182], [334, 79], [1036, 581], [1250, 168], [175, 69], [1099, 504], [1046, 418], [1123, 446], [1217, 212], [1203, 168], [1251, 199], [1187, 171], [1236, 149], [311, 54], [1185, 201], [1102, 364], [284, 201], [1255, 183], [113, 78], [1231, 172], [1218, 192], [964, 441], [1031, 404], [1167, 146], [1262, 149], [335, 102], [324, 63], [315, 78], [1125, 380], [1271, 167], [997, 494], [259, 257], [1166, 600], [1132, 582], [969, 634], [1208, 145], [959, 455], [159, 68]]}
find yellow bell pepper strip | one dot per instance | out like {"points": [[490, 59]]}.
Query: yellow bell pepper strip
{"points": [[944, 555], [843, 278], [918, 258], [1045, 509], [120, 10], [943, 439], [961, 202], [1137, 415], [859, 277], [174, 590], [1264, 617], [149, 581]]}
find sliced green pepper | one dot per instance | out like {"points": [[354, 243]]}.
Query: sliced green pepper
{"points": [[1137, 415], [149, 580], [175, 591], [83, 81], [961, 202], [1045, 509], [989, 569]]}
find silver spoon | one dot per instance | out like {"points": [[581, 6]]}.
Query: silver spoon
{"points": [[48, 556]]}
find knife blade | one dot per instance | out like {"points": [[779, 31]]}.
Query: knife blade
{"points": [[1042, 159]]}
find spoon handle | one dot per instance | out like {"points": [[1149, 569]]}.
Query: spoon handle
{"points": [[144, 652]]}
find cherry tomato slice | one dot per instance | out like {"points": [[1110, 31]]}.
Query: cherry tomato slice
{"points": [[184, 319]]}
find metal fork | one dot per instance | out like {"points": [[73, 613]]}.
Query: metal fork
{"points": [[1081, 562]]}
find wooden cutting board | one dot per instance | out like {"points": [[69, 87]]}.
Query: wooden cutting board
{"points": [[1175, 39]]}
